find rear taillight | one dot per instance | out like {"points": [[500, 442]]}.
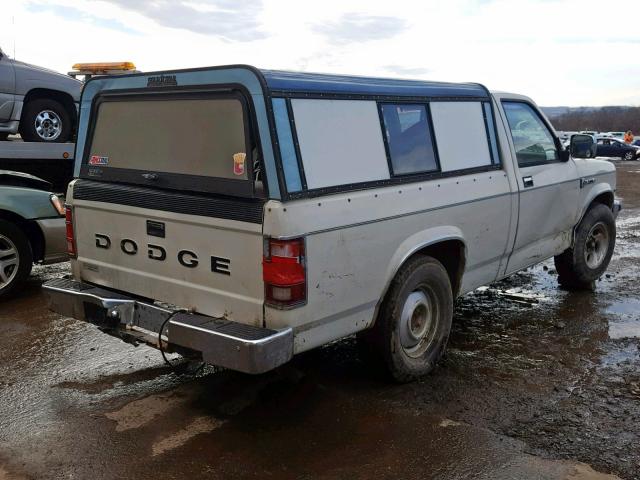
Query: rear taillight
{"points": [[284, 273], [71, 238]]}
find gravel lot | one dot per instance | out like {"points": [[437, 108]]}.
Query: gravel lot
{"points": [[538, 383]]}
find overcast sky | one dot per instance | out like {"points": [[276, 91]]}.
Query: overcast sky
{"points": [[560, 52]]}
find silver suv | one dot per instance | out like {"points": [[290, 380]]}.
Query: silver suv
{"points": [[40, 104]]}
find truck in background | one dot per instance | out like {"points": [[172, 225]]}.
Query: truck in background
{"points": [[40, 104], [44, 148]]}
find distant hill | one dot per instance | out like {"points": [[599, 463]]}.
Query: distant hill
{"points": [[552, 112], [599, 119]]}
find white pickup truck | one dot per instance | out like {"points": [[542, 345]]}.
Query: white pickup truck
{"points": [[243, 216]]}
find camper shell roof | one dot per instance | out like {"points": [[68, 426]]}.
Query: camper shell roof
{"points": [[279, 81], [296, 82]]}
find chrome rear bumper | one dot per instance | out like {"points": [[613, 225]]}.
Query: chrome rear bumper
{"points": [[221, 342]]}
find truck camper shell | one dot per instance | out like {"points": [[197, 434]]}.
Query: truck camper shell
{"points": [[267, 93]]}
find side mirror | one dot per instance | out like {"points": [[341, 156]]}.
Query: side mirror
{"points": [[583, 146]]}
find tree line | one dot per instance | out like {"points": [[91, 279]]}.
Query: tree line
{"points": [[605, 119]]}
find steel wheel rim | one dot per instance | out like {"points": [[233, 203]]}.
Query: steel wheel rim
{"points": [[48, 125], [9, 261], [596, 245], [417, 325]]}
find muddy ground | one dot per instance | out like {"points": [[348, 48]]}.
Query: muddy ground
{"points": [[529, 390]]}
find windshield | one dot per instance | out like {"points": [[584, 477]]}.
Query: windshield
{"points": [[187, 142]]}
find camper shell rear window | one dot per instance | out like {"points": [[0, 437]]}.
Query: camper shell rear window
{"points": [[190, 141]]}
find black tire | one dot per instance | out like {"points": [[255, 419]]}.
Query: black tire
{"points": [[3, 136], [628, 156], [32, 112], [595, 239], [15, 268], [383, 344]]}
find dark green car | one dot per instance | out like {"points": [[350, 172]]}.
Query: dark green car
{"points": [[32, 227]]}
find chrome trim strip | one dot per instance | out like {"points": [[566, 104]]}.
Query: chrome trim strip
{"points": [[335, 316], [427, 210], [393, 217]]}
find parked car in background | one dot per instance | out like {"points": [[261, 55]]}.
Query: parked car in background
{"points": [[565, 136], [32, 227], [619, 135], [590, 132], [612, 147], [40, 104]]}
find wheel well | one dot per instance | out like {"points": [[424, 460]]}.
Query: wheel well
{"points": [[64, 98], [451, 254], [605, 198], [30, 229]]}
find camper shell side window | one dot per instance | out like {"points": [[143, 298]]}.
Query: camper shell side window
{"points": [[408, 138], [337, 144]]}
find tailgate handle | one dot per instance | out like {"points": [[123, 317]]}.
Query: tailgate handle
{"points": [[150, 176], [527, 181]]}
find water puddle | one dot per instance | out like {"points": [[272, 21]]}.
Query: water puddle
{"points": [[626, 319], [516, 295], [621, 358]]}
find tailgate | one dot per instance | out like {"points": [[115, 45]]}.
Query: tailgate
{"points": [[205, 263], [169, 201]]}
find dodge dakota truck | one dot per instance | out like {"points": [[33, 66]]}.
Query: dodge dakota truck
{"points": [[242, 216]]}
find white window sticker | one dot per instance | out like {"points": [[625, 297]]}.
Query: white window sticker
{"points": [[340, 141], [461, 135]]}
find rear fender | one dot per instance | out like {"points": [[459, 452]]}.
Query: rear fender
{"points": [[414, 244]]}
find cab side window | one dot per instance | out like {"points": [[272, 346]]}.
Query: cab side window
{"points": [[532, 139]]}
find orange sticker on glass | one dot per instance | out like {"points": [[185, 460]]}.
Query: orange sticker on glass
{"points": [[239, 163]]}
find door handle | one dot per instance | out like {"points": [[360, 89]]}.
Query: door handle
{"points": [[527, 181]]}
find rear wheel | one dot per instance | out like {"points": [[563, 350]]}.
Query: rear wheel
{"points": [[414, 322], [45, 120], [3, 136], [15, 257], [591, 253]]}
